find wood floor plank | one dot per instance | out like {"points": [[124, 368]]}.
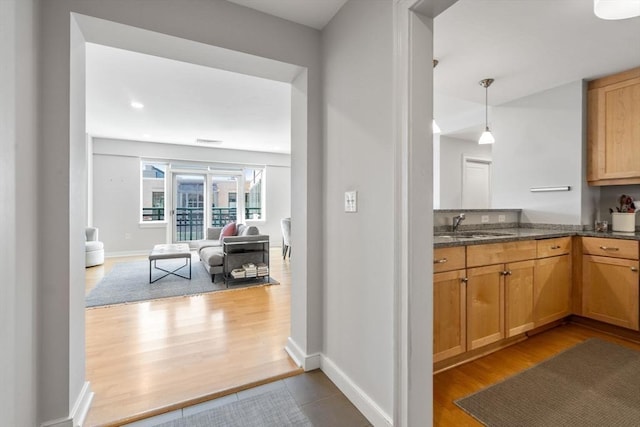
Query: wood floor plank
{"points": [[148, 357], [468, 378]]}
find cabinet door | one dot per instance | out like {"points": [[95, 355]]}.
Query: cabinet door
{"points": [[552, 289], [518, 293], [610, 290], [449, 296], [614, 128], [485, 305]]}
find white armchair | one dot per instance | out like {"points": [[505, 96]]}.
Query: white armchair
{"points": [[94, 249]]}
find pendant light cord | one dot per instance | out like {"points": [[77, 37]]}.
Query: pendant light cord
{"points": [[486, 107]]}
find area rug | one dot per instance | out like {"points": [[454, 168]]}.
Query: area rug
{"points": [[270, 409], [129, 282], [595, 383]]}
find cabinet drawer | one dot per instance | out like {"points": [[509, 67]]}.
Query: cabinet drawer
{"points": [[498, 253], [447, 259], [617, 248], [553, 247]]}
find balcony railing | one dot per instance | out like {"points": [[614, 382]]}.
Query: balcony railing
{"points": [[153, 214], [189, 224], [222, 216], [190, 221]]}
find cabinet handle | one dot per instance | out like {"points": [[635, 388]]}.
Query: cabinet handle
{"points": [[464, 279], [608, 248], [507, 273], [555, 247], [440, 261], [634, 269]]}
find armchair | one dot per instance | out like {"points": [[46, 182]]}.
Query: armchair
{"points": [[94, 249]]}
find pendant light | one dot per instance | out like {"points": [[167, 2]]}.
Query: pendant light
{"points": [[486, 137], [616, 9]]}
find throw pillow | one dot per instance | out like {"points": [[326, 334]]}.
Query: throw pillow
{"points": [[228, 230]]}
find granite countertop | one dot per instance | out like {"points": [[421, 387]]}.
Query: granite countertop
{"points": [[484, 236]]}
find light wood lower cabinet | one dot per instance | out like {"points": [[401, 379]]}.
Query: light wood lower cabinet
{"points": [[610, 290], [552, 289], [519, 296], [449, 314], [485, 306]]}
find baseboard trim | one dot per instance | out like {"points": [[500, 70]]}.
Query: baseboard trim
{"points": [[308, 362], [355, 394], [83, 404], [79, 412], [126, 253]]}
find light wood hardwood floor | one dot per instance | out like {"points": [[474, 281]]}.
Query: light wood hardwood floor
{"points": [[463, 380], [147, 358]]}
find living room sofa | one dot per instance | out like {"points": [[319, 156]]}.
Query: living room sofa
{"points": [[211, 251]]}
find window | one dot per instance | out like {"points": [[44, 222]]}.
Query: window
{"points": [[254, 208], [153, 191]]}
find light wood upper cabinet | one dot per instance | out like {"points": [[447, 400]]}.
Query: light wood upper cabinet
{"points": [[613, 129], [610, 290], [449, 314]]}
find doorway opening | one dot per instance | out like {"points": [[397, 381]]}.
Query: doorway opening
{"points": [[151, 325]]}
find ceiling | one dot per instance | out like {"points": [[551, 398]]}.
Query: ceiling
{"points": [[312, 13], [527, 46], [183, 102]]}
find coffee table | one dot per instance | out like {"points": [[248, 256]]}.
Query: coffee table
{"points": [[169, 251]]}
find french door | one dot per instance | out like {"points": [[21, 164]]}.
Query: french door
{"points": [[201, 200], [189, 201]]}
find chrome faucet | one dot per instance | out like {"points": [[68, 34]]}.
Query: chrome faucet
{"points": [[456, 221]]}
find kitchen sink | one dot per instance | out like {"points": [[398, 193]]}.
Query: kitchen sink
{"points": [[471, 235]]}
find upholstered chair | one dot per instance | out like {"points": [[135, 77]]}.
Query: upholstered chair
{"points": [[285, 224], [94, 248]]}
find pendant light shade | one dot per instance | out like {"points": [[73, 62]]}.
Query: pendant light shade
{"points": [[486, 137], [616, 9]]}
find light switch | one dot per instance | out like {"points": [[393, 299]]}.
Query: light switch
{"points": [[484, 219], [351, 201], [501, 218]]}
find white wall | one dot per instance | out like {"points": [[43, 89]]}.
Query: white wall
{"points": [[217, 23], [359, 152], [18, 211], [116, 192], [539, 143], [451, 152]]}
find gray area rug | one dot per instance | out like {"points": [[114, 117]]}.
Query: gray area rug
{"points": [[129, 282], [271, 409], [595, 383]]}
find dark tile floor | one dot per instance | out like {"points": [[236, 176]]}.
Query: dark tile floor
{"points": [[320, 400]]}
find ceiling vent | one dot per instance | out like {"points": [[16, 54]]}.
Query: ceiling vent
{"points": [[208, 141]]}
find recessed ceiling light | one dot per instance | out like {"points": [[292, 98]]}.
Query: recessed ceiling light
{"points": [[136, 104]]}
